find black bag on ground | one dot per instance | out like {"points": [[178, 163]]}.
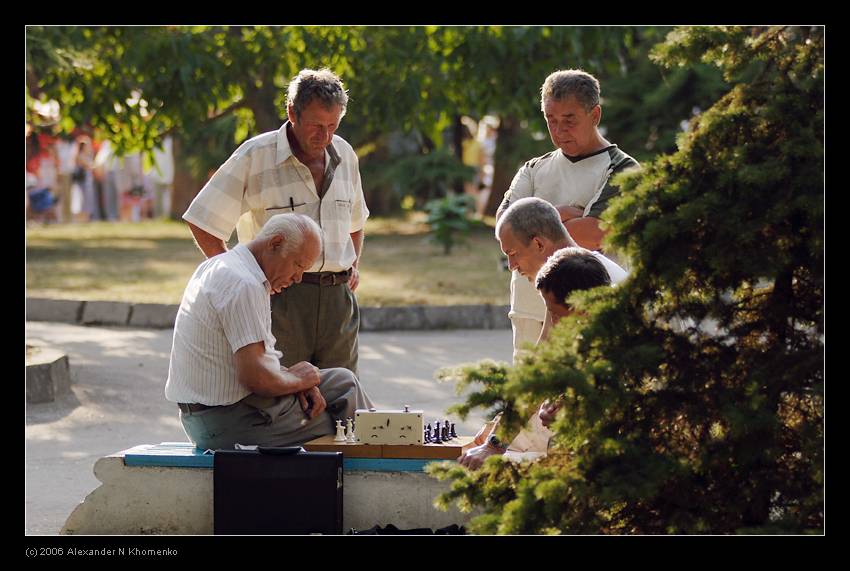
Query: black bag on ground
{"points": [[273, 491]]}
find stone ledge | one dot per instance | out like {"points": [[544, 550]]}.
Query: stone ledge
{"points": [[162, 316], [61, 310], [153, 315], [106, 313], [428, 317], [134, 500]]}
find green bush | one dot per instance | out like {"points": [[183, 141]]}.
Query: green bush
{"points": [[449, 220], [693, 392]]}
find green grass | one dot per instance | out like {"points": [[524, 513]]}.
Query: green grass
{"points": [[151, 261]]}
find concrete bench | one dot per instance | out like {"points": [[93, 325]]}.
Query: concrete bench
{"points": [[167, 489]]}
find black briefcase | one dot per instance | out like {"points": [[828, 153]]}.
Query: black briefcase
{"points": [[273, 491]]}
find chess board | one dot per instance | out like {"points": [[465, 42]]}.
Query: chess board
{"points": [[450, 450]]}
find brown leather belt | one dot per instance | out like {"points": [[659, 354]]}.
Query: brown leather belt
{"points": [[192, 407], [326, 278]]}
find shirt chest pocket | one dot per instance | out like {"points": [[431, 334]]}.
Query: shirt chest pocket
{"points": [[343, 205]]}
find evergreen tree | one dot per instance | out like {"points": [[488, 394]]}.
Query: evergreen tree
{"points": [[693, 391]]}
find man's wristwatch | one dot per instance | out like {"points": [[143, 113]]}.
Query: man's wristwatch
{"points": [[494, 442]]}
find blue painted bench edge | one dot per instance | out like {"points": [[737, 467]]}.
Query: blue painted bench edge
{"points": [[185, 455]]}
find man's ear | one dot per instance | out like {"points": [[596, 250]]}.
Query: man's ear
{"points": [[596, 115], [276, 243], [538, 243], [290, 114]]}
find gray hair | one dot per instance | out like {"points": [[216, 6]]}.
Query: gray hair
{"points": [[532, 216], [323, 85], [567, 83], [292, 227]]}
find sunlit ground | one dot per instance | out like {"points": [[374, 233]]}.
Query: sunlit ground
{"points": [[151, 261]]}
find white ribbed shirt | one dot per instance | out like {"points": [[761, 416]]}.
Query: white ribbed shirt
{"points": [[224, 308], [263, 178]]}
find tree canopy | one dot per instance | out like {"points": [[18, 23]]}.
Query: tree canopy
{"points": [[199, 83]]}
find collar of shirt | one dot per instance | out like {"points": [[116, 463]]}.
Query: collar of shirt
{"points": [[284, 151], [243, 253]]}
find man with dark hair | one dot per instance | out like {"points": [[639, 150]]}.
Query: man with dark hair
{"points": [[305, 168], [566, 271], [575, 178]]}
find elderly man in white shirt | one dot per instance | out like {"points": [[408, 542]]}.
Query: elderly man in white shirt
{"points": [[225, 374], [302, 167]]}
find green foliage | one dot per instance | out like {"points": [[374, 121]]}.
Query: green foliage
{"points": [[693, 392], [449, 220], [136, 85], [424, 176]]}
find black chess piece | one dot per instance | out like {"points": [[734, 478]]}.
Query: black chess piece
{"points": [[437, 438], [427, 433], [446, 431], [452, 433]]}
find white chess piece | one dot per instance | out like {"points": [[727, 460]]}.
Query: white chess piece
{"points": [[350, 426], [340, 432]]}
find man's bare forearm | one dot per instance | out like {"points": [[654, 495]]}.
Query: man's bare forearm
{"points": [[586, 232], [357, 241], [569, 212], [207, 243]]}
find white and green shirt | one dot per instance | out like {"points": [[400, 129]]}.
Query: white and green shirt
{"points": [[582, 182]]}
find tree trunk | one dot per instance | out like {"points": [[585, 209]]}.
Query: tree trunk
{"points": [[261, 102], [504, 162], [185, 185], [457, 140]]}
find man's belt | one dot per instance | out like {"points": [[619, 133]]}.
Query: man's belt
{"points": [[193, 407], [326, 278]]}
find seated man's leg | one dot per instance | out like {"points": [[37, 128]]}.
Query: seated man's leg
{"points": [[277, 421], [343, 393]]}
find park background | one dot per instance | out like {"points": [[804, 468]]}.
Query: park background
{"points": [[415, 92], [728, 123]]}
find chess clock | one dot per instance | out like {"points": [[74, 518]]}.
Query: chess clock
{"points": [[372, 426]]}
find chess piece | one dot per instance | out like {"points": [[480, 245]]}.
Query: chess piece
{"points": [[340, 432], [452, 432], [446, 433], [427, 438], [350, 426], [437, 439]]}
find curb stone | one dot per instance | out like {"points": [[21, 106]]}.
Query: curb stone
{"points": [[162, 316]]}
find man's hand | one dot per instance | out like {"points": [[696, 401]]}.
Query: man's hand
{"points": [[475, 457], [354, 280], [307, 374], [312, 402], [548, 411]]}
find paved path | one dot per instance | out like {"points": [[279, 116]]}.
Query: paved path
{"points": [[117, 401]]}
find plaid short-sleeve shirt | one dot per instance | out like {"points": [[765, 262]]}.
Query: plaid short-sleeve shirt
{"points": [[263, 178]]}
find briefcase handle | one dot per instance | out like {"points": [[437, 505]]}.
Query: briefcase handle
{"points": [[280, 450]]}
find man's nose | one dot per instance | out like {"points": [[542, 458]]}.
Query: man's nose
{"points": [[512, 265]]}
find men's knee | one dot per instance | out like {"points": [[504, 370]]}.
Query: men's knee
{"points": [[339, 377]]}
